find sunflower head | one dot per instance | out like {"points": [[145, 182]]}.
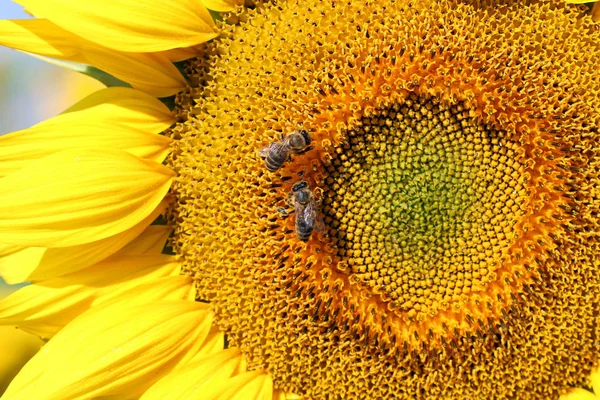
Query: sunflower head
{"points": [[452, 165]]}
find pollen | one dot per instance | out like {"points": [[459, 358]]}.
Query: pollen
{"points": [[454, 174]]}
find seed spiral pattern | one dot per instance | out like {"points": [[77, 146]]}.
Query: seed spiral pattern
{"points": [[422, 202], [455, 174]]}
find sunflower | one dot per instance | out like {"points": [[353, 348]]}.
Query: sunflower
{"points": [[433, 236]]}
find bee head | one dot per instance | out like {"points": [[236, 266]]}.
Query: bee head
{"points": [[301, 192], [299, 186], [299, 140]]}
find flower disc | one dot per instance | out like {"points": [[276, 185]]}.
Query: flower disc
{"points": [[454, 171]]}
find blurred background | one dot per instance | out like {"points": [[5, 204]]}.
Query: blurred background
{"points": [[32, 90]]}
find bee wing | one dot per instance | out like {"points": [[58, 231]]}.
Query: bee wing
{"points": [[306, 214], [315, 218], [320, 226], [265, 151]]}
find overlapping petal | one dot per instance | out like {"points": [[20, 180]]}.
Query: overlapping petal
{"points": [[33, 264], [151, 73], [182, 53], [120, 105], [42, 37], [152, 241], [7, 249], [195, 379], [222, 5], [19, 149], [16, 348], [215, 342], [130, 25], [46, 307], [219, 376], [253, 385], [114, 351], [595, 379], [579, 394], [281, 395], [79, 196]]}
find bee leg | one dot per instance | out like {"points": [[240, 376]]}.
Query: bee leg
{"points": [[284, 213], [289, 200], [309, 148]]}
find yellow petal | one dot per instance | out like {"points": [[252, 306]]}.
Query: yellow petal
{"points": [[152, 73], [191, 382], [7, 249], [578, 394], [152, 241], [125, 106], [37, 263], [595, 379], [79, 196], [178, 287], [18, 149], [182, 54], [214, 343], [46, 307], [146, 291], [68, 304], [113, 351], [16, 347], [578, 1], [280, 395], [253, 385], [222, 5], [596, 12], [40, 36], [130, 25]]}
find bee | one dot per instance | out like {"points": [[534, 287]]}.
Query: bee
{"points": [[278, 152], [304, 208]]}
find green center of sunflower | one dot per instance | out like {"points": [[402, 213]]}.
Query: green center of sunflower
{"points": [[420, 199]]}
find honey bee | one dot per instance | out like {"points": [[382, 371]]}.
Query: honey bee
{"points": [[278, 152], [304, 208]]}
